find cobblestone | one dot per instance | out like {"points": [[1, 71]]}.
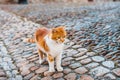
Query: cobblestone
{"points": [[82, 57], [2, 73], [92, 65], [29, 76], [99, 71], [46, 73], [85, 61], [81, 70], [67, 59], [47, 78], [3, 78], [90, 53], [98, 58], [25, 72], [75, 65], [6, 63], [117, 71], [41, 70], [19, 77], [66, 63], [111, 76], [86, 77], [70, 76], [67, 70], [33, 68], [79, 54], [109, 64], [34, 77], [58, 75]]}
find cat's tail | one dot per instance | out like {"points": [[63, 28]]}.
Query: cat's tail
{"points": [[30, 40]]}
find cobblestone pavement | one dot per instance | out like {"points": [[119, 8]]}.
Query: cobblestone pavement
{"points": [[19, 60]]}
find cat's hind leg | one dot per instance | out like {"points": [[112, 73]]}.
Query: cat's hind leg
{"points": [[41, 56]]}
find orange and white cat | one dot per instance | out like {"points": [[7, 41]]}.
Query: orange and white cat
{"points": [[50, 42]]}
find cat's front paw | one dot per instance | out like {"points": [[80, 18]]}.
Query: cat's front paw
{"points": [[60, 69], [51, 70], [40, 61]]}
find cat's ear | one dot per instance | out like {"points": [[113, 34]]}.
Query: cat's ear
{"points": [[54, 30]]}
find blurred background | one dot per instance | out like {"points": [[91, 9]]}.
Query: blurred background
{"points": [[46, 1]]}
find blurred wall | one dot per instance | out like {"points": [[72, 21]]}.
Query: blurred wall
{"points": [[41, 1], [8, 1], [74, 1], [46, 1], [5, 1]]}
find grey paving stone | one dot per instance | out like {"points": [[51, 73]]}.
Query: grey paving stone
{"points": [[67, 70], [90, 53], [47, 78], [11, 79], [58, 75], [4, 64], [7, 68], [81, 70], [80, 58], [109, 64], [2, 73], [92, 65], [15, 72], [29, 76], [99, 71], [3, 78], [116, 71], [18, 77], [76, 46], [83, 50], [75, 65], [6, 59], [111, 76], [3, 50], [98, 58], [86, 77], [85, 61], [9, 74], [70, 76]]}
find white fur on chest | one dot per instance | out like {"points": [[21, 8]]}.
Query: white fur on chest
{"points": [[55, 48]]}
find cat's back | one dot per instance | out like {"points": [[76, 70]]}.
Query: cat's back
{"points": [[41, 33]]}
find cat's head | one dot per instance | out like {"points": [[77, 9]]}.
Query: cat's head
{"points": [[59, 34]]}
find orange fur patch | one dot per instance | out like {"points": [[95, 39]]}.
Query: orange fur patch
{"points": [[31, 40], [40, 54], [51, 59], [40, 34]]}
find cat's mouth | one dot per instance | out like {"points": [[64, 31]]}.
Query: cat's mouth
{"points": [[59, 42]]}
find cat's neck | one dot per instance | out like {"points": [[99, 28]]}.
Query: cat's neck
{"points": [[49, 39]]}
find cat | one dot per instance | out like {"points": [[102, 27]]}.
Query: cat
{"points": [[50, 42]]}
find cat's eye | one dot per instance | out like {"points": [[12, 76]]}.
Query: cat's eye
{"points": [[59, 37]]}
